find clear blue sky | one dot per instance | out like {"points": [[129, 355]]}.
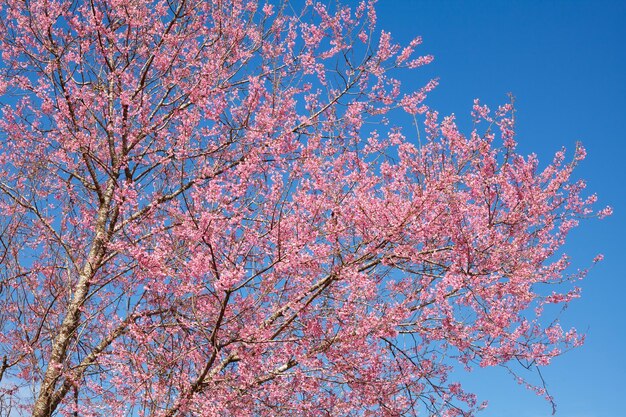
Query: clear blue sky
{"points": [[565, 62]]}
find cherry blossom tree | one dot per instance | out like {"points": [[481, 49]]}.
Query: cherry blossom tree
{"points": [[207, 210]]}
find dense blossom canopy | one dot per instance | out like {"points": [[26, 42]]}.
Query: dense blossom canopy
{"points": [[207, 210]]}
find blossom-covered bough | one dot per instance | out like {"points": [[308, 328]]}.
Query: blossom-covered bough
{"points": [[206, 210]]}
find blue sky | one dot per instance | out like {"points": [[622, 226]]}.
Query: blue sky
{"points": [[565, 63]]}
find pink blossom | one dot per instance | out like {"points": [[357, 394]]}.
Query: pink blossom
{"points": [[213, 209]]}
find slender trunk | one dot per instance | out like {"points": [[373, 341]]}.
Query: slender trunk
{"points": [[47, 401]]}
